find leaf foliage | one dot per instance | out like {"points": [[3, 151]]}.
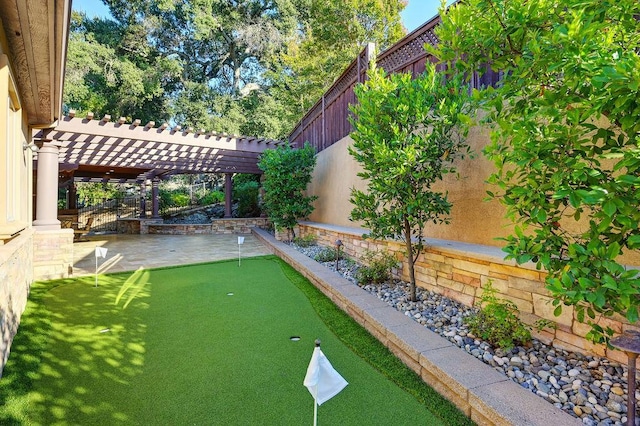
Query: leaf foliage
{"points": [[287, 172], [565, 140], [407, 134]]}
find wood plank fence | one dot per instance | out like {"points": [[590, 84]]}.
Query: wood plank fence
{"points": [[328, 120]]}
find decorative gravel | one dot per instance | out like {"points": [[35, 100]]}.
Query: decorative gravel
{"points": [[591, 388]]}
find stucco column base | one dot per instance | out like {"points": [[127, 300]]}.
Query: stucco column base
{"points": [[46, 225]]}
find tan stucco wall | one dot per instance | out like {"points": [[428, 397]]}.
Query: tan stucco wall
{"points": [[472, 219], [333, 177]]}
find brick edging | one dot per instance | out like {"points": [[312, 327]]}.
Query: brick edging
{"points": [[478, 390]]}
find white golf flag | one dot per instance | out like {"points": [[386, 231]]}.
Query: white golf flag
{"points": [[322, 380], [101, 252], [240, 240]]}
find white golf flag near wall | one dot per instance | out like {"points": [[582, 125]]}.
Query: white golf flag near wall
{"points": [[322, 380], [240, 242], [100, 252]]}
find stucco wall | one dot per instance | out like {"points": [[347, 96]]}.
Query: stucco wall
{"points": [[472, 219]]}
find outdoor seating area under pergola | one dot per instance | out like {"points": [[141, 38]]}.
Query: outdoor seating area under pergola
{"points": [[101, 150]]}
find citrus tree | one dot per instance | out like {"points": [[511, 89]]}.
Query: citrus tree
{"points": [[565, 140], [407, 133]]}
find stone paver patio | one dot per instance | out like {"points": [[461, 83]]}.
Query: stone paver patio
{"points": [[130, 252]]}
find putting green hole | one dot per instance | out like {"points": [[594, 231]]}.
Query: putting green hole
{"points": [[294, 338]]}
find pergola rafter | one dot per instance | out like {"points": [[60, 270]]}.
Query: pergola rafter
{"points": [[102, 150]]}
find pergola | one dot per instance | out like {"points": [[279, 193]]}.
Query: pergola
{"points": [[102, 150]]}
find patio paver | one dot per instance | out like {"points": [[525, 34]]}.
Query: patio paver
{"points": [[130, 252]]}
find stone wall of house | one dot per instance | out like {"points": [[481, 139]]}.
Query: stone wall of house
{"points": [[16, 276], [52, 254], [461, 270], [218, 226]]}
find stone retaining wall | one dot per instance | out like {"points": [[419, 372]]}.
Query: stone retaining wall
{"points": [[179, 229], [238, 225], [218, 226], [460, 271]]}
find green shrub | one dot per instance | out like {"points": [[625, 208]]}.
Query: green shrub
{"points": [[497, 321], [246, 194], [212, 197], [327, 254], [306, 241], [173, 198], [180, 200], [377, 267]]}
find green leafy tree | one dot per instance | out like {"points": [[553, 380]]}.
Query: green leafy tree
{"points": [[331, 33], [287, 172], [249, 67], [246, 192], [407, 134], [90, 193], [224, 49], [565, 140], [109, 71]]}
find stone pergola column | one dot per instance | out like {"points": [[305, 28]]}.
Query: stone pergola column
{"points": [[228, 189], [47, 187], [143, 199], [155, 182]]}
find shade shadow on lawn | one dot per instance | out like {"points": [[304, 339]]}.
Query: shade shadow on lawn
{"points": [[201, 344]]}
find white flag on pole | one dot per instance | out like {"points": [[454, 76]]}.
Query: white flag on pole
{"points": [[101, 252], [240, 240], [322, 380]]}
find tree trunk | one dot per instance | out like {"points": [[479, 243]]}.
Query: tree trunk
{"points": [[409, 248]]}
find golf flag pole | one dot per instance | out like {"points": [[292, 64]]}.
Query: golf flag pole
{"points": [[322, 380], [315, 409], [240, 242], [100, 252]]}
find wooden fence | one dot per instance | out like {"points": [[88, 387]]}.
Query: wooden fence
{"points": [[328, 120]]}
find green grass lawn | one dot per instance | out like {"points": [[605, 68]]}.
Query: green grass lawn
{"points": [[201, 344]]}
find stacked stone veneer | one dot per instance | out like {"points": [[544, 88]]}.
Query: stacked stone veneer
{"points": [[16, 275], [52, 254], [460, 271], [218, 226]]}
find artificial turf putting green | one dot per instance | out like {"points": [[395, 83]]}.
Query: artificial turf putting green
{"points": [[201, 344]]}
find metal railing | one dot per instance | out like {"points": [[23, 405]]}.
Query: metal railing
{"points": [[106, 214]]}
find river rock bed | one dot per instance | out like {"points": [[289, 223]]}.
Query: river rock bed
{"points": [[591, 388]]}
